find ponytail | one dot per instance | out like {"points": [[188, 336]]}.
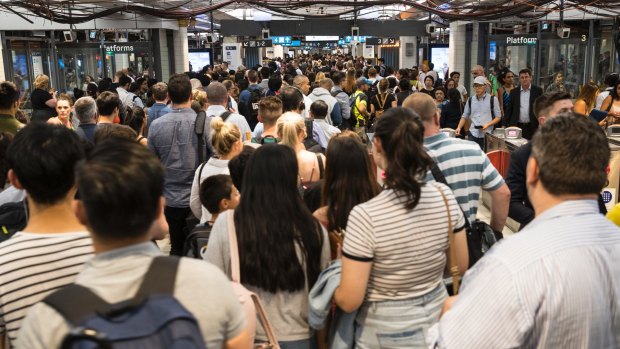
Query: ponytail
{"points": [[402, 138], [289, 126]]}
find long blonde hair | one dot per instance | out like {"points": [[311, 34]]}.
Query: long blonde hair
{"points": [[224, 136], [290, 125]]}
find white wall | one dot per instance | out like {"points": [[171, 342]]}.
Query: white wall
{"points": [[457, 46], [164, 62]]}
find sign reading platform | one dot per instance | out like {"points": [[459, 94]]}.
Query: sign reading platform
{"points": [[257, 43], [521, 40]]}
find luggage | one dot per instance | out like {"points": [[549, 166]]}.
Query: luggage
{"points": [[13, 218], [152, 319]]}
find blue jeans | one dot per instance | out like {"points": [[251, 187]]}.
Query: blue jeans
{"points": [[398, 324]]}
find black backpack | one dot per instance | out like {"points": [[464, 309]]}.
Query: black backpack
{"points": [[373, 90], [251, 108], [197, 240], [13, 218]]}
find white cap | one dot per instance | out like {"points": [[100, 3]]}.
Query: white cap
{"points": [[480, 80]]}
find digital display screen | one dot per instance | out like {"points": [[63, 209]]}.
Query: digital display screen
{"points": [[513, 133], [199, 59]]}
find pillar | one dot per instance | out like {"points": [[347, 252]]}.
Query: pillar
{"points": [[181, 50], [164, 58], [407, 52]]}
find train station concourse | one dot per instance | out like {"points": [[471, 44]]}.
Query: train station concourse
{"points": [[309, 174]]}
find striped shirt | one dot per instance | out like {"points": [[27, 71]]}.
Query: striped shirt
{"points": [[33, 265], [407, 248], [467, 170], [554, 285]]}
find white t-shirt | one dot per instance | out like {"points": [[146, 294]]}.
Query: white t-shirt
{"points": [[211, 168], [32, 266]]}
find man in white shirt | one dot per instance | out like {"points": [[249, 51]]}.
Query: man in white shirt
{"points": [[322, 132], [302, 83], [217, 97], [478, 110], [456, 76], [556, 284]]}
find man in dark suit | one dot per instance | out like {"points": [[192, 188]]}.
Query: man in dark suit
{"points": [[520, 111], [520, 209]]}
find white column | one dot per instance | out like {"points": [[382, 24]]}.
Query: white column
{"points": [[457, 46], [404, 60], [164, 59], [2, 75], [181, 53]]}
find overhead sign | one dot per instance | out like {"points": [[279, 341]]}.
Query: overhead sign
{"points": [[381, 41], [281, 40], [293, 43], [119, 48], [257, 43], [518, 40], [348, 39]]}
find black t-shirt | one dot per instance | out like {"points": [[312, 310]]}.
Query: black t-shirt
{"points": [[401, 96], [450, 116], [38, 99], [430, 93], [378, 99]]}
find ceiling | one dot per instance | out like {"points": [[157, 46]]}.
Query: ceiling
{"points": [[73, 11]]}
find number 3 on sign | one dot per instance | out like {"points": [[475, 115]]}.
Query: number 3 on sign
{"points": [[584, 38]]}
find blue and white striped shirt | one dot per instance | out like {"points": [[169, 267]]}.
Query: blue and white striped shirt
{"points": [[467, 169], [554, 285]]}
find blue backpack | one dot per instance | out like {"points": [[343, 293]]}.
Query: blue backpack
{"points": [[152, 319]]}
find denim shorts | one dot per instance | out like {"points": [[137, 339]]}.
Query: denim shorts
{"points": [[398, 324]]}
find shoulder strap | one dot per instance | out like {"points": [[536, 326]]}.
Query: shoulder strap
{"points": [[160, 277], [454, 269], [75, 303], [439, 177], [492, 107], [225, 115], [469, 104], [199, 129], [234, 249], [321, 168], [200, 172]]}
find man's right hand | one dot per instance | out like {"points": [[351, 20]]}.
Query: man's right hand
{"points": [[457, 131]]}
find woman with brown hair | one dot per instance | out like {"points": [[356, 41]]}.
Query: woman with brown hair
{"points": [[383, 100], [64, 107], [349, 181], [586, 100], [349, 84]]}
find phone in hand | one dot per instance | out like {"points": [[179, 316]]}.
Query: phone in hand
{"points": [[478, 127]]}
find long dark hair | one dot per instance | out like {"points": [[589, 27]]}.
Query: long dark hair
{"points": [[271, 220], [402, 137], [349, 179]]}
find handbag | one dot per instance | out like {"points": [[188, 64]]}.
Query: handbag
{"points": [[454, 268], [250, 302], [480, 236]]}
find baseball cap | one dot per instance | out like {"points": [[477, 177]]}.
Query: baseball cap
{"points": [[480, 80], [362, 81]]}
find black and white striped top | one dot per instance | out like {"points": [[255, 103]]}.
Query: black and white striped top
{"points": [[34, 265], [407, 248]]}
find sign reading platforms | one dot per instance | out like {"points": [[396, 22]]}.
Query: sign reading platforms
{"points": [[257, 43], [381, 41], [521, 40]]}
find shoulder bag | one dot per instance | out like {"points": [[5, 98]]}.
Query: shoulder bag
{"points": [[454, 269], [250, 302]]}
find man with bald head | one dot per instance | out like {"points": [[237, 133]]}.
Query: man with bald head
{"points": [[464, 165], [302, 83], [217, 97]]}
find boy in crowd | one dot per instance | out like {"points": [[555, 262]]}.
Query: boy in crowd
{"points": [[322, 132]]}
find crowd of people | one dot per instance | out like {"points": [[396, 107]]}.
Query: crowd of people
{"points": [[325, 186]]}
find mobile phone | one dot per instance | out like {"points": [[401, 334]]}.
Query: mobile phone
{"points": [[478, 127]]}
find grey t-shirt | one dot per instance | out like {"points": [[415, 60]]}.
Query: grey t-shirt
{"points": [[200, 287], [287, 312]]}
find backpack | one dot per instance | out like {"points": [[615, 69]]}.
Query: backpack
{"points": [[196, 241], [13, 218], [492, 106], [381, 109], [153, 318], [199, 129], [251, 107], [373, 90]]}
